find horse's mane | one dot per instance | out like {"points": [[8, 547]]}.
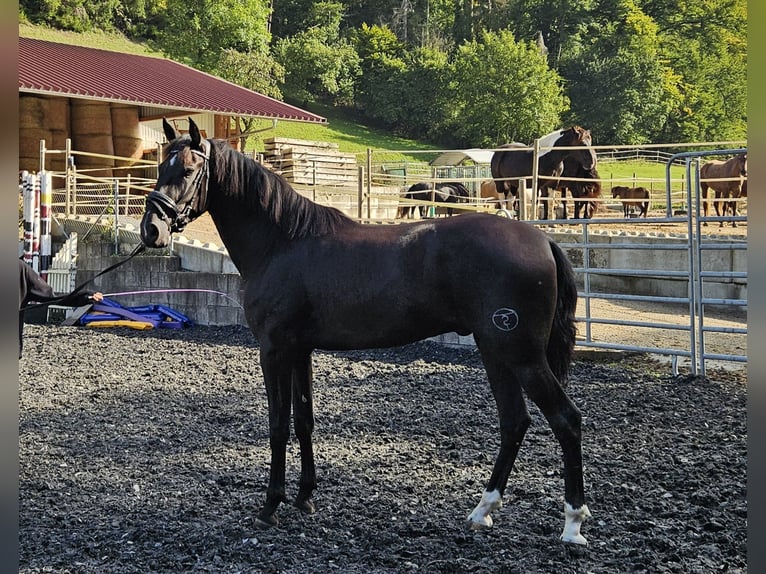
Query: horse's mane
{"points": [[270, 194]]}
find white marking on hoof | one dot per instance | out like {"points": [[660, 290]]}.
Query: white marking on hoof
{"points": [[573, 519], [480, 518]]}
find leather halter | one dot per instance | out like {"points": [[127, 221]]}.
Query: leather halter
{"points": [[168, 210]]}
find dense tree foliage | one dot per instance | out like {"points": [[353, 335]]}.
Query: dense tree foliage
{"points": [[463, 72]]}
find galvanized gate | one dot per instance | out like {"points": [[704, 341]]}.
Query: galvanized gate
{"points": [[714, 274]]}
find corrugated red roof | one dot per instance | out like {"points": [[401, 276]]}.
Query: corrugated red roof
{"points": [[75, 71]]}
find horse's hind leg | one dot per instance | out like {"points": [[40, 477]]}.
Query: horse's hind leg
{"points": [[514, 421], [303, 414], [565, 420]]}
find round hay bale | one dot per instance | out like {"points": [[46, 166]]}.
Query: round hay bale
{"points": [[92, 132], [125, 120], [57, 115], [32, 111], [101, 144], [126, 134], [29, 141], [57, 161], [91, 118], [30, 164]]}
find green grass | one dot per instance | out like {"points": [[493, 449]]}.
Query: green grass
{"points": [[635, 173], [350, 135], [103, 40]]}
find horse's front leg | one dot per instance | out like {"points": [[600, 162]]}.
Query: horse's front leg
{"points": [[303, 411], [277, 378]]}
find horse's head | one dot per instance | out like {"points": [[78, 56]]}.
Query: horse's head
{"points": [[586, 156], [743, 165], [180, 194], [574, 137]]}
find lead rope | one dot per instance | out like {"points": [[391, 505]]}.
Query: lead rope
{"points": [[138, 249]]}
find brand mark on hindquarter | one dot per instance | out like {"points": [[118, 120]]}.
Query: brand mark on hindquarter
{"points": [[505, 319]]}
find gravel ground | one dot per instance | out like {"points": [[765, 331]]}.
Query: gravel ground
{"points": [[147, 451]]}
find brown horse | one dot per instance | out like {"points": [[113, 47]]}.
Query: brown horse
{"points": [[726, 179], [638, 196], [510, 164], [581, 191]]}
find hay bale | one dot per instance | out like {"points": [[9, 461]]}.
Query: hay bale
{"points": [[92, 132], [91, 118], [32, 111], [126, 134], [29, 147], [57, 115]]}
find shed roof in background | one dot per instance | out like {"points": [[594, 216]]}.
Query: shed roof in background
{"points": [[457, 157], [56, 69]]}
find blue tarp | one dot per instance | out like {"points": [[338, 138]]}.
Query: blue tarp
{"points": [[158, 315]]}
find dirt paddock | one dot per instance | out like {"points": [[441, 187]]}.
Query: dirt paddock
{"points": [[147, 451]]}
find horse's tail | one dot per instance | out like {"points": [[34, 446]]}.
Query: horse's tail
{"points": [[563, 333]]}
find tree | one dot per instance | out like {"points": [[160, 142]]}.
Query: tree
{"points": [[619, 85], [382, 66], [705, 42], [319, 64], [255, 71], [75, 15], [502, 90], [196, 31]]}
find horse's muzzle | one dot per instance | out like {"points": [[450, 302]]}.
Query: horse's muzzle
{"points": [[154, 231]]}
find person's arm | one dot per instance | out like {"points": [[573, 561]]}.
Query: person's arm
{"points": [[32, 287]]}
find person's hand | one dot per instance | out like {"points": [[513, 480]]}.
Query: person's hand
{"points": [[98, 296]]}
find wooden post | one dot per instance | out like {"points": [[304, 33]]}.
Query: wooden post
{"points": [[522, 200], [360, 191], [535, 159]]}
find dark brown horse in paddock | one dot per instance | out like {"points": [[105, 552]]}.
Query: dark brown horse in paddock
{"points": [[726, 179], [442, 191], [632, 196], [316, 279], [511, 163], [581, 191]]}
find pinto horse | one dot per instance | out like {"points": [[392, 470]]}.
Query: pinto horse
{"points": [[726, 179], [315, 279], [582, 191], [444, 192], [511, 163]]}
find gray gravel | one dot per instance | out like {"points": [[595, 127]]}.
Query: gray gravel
{"points": [[147, 451]]}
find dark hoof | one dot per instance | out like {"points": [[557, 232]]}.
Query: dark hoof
{"points": [[573, 550], [266, 521], [306, 505]]}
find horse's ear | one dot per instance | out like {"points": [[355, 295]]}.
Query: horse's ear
{"points": [[196, 137], [170, 131]]}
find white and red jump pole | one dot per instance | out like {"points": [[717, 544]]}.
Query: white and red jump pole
{"points": [[37, 196]]}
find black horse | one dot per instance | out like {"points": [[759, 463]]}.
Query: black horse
{"points": [[444, 192], [314, 278], [512, 163], [581, 191]]}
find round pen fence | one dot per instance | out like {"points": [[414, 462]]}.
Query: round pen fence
{"points": [[693, 271]]}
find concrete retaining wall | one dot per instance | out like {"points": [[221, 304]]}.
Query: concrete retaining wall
{"points": [[166, 272]]}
